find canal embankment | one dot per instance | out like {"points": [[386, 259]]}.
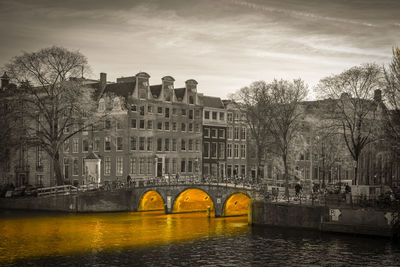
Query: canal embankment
{"points": [[356, 220]]}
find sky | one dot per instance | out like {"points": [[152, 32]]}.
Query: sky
{"points": [[223, 44]]}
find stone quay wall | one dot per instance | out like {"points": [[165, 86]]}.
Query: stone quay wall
{"points": [[323, 218]]}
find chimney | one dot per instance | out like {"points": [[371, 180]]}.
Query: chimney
{"points": [[103, 80], [4, 80], [378, 95]]}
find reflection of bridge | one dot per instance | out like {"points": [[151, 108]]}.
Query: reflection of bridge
{"points": [[178, 197]]}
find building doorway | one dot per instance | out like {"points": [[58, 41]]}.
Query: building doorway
{"points": [[159, 167]]}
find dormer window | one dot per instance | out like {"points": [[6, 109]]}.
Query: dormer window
{"points": [[116, 104], [191, 100], [133, 107], [145, 83], [170, 86]]}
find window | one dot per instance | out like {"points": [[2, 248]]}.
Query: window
{"points": [[141, 143], [206, 132], [118, 124], [141, 124], [85, 145], [183, 112], [229, 170], [132, 165], [214, 170], [221, 150], [107, 143], [84, 171], [236, 133], [120, 166], [191, 99], [167, 165], [229, 133], [133, 143], [206, 150], [197, 145], [183, 165], [174, 126], [214, 133], [213, 150], [102, 105], [183, 144], [221, 133], [183, 127], [141, 166], [243, 170], [173, 144], [190, 142], [243, 133], [141, 110], [166, 144], [66, 168], [119, 143], [214, 115], [190, 127], [243, 151], [237, 116], [149, 144], [133, 107], [206, 169], [230, 117], [75, 145], [190, 114], [143, 92], [150, 125], [75, 168], [174, 111], [39, 179], [159, 110], [159, 125], [96, 144], [229, 150], [133, 123], [39, 157], [197, 114], [159, 144], [166, 112], [236, 150], [66, 146], [107, 166], [107, 124], [190, 165], [149, 109], [166, 126], [206, 114], [196, 128], [221, 116]]}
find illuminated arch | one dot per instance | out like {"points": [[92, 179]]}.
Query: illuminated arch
{"points": [[150, 201], [192, 200], [237, 204]]}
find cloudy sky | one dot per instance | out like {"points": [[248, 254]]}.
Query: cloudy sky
{"points": [[223, 44]]}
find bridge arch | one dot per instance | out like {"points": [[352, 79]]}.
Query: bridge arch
{"points": [[151, 200], [192, 199], [236, 204]]}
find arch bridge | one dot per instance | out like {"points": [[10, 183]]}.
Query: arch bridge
{"points": [[220, 199]]}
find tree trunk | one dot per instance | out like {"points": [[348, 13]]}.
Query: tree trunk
{"points": [[355, 173], [57, 169], [286, 177]]}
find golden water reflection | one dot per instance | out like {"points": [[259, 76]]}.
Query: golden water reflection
{"points": [[64, 234]]}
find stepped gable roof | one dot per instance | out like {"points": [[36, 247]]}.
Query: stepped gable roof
{"points": [[155, 90], [120, 89], [180, 93], [211, 101], [92, 155]]}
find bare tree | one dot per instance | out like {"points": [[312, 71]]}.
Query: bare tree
{"points": [[53, 106], [250, 101], [392, 93], [273, 113], [353, 107]]}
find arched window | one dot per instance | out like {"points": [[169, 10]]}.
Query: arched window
{"points": [[102, 105]]}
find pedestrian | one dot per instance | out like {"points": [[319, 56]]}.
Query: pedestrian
{"points": [[177, 177], [128, 181]]}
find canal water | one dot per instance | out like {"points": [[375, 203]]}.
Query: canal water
{"points": [[190, 239]]}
